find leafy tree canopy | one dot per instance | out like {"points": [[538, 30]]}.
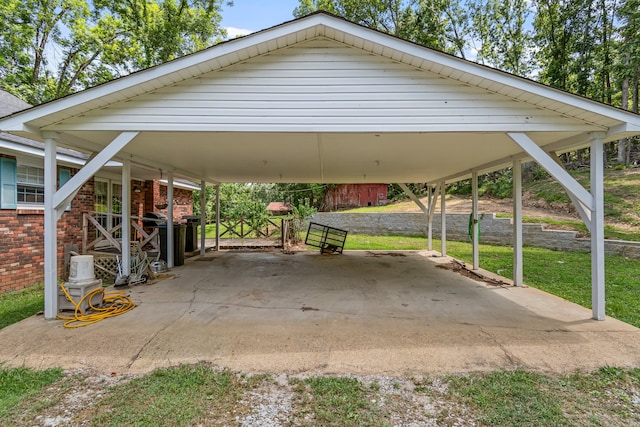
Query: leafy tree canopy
{"points": [[50, 48]]}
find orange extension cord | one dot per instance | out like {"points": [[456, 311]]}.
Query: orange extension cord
{"points": [[114, 304]]}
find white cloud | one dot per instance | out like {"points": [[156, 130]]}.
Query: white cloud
{"points": [[233, 32]]}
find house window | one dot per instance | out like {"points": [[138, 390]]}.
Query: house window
{"points": [[30, 184], [108, 201]]}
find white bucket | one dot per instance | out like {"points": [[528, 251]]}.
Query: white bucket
{"points": [[81, 268]]}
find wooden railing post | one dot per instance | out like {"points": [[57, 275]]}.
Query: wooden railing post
{"points": [[85, 232]]}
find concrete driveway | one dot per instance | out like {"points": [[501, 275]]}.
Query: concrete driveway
{"points": [[385, 313]]}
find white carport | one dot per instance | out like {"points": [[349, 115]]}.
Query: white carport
{"points": [[320, 99]]}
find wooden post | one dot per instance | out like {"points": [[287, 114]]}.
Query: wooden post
{"points": [[85, 232]]}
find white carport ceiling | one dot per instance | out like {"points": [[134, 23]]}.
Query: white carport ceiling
{"points": [[320, 99]]}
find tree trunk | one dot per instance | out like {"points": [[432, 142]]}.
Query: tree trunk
{"points": [[622, 149], [634, 107]]}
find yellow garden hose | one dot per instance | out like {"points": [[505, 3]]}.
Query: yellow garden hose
{"points": [[113, 304]]}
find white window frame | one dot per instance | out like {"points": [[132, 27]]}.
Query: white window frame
{"points": [[110, 183], [34, 163]]}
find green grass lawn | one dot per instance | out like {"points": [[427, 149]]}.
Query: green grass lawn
{"points": [[15, 306], [200, 394], [20, 384]]}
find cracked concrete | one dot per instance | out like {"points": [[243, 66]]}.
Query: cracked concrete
{"points": [[387, 313]]}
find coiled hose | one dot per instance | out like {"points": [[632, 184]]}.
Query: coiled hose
{"points": [[113, 304]]}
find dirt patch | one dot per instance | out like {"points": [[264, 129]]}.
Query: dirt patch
{"points": [[381, 254], [531, 207], [461, 268]]}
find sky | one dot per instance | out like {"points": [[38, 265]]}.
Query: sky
{"points": [[247, 16]]}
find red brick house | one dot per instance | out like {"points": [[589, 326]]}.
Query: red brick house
{"points": [[22, 203], [346, 196]]}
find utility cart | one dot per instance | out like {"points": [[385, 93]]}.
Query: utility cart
{"points": [[328, 239]]}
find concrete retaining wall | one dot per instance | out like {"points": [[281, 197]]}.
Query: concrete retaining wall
{"points": [[492, 230]]}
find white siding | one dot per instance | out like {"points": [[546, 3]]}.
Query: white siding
{"points": [[323, 85]]}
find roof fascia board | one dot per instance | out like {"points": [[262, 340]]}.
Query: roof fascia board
{"points": [[18, 121], [570, 144], [624, 130], [33, 151]]}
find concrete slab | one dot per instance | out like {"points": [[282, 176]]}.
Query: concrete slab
{"points": [[386, 313]]}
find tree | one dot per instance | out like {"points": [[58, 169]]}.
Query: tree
{"points": [[210, 203], [628, 66], [558, 29], [499, 28], [441, 24], [50, 48], [300, 194], [389, 16]]}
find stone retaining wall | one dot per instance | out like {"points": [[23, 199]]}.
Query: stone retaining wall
{"points": [[492, 230]]}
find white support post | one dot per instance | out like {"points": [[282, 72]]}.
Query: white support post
{"points": [[517, 223], [474, 218], [430, 201], [203, 217], [50, 231], [597, 230], [56, 201], [433, 201], [443, 219], [126, 217], [170, 219], [218, 217]]}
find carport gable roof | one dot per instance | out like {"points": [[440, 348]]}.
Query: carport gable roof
{"points": [[320, 99]]}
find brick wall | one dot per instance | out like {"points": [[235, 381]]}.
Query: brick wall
{"points": [[156, 194], [22, 237], [22, 230], [22, 256]]}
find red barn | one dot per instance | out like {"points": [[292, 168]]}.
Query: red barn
{"points": [[345, 196], [279, 208]]}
